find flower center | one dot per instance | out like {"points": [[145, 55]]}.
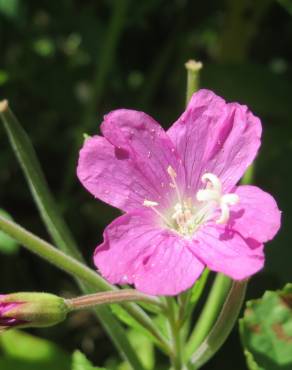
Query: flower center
{"points": [[189, 214]]}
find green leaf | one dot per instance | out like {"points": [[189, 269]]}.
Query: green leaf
{"points": [[55, 223], [144, 348], [10, 8], [44, 47], [198, 287], [7, 244], [251, 364], [266, 331], [30, 352], [123, 316], [47, 205], [80, 362], [4, 77], [287, 4]]}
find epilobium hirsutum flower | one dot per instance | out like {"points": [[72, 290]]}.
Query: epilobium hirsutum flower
{"points": [[31, 310], [183, 210]]}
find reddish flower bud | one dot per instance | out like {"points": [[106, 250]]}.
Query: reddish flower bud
{"points": [[31, 310]]}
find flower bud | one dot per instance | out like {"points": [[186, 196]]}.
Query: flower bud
{"points": [[31, 310]]}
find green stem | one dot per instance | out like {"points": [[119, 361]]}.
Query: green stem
{"points": [[223, 325], [37, 183], [210, 311], [119, 296], [175, 334], [190, 298], [117, 334], [78, 270], [193, 75], [53, 219]]}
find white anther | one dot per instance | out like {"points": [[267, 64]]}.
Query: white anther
{"points": [[150, 203]]}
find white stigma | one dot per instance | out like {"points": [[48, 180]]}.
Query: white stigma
{"points": [[213, 194], [189, 213]]}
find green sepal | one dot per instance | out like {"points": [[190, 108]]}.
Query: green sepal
{"points": [[36, 309]]}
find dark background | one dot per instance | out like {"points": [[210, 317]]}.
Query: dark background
{"points": [[63, 64]]}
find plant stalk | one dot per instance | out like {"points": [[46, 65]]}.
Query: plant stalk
{"points": [[175, 334], [223, 325], [80, 271], [209, 314], [119, 296], [193, 77]]}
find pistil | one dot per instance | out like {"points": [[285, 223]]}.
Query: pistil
{"points": [[188, 215]]}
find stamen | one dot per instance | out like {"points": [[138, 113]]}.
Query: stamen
{"points": [[151, 204], [171, 172], [173, 184]]}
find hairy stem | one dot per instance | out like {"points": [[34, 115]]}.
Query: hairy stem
{"points": [[119, 296], [80, 271]]}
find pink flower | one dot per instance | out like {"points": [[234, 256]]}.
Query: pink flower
{"points": [[183, 210]]}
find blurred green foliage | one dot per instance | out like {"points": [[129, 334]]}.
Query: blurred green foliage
{"points": [[64, 64], [80, 362], [266, 331], [22, 351]]}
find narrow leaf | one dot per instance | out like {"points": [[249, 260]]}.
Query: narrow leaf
{"points": [[47, 205], [55, 223]]}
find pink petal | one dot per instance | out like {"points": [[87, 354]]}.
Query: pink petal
{"points": [[108, 174], [213, 136], [225, 250], [149, 147], [257, 215], [130, 164], [137, 251]]}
